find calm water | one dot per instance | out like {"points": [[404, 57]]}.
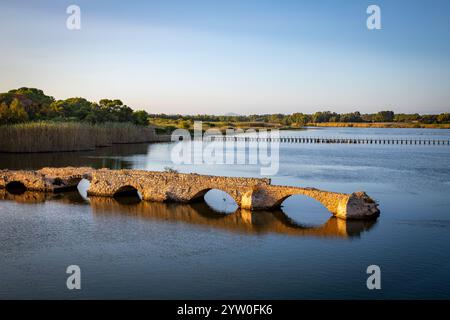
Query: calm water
{"points": [[133, 249]]}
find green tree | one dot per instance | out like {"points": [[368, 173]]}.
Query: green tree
{"points": [[276, 118], [18, 113], [324, 116], [351, 117], [443, 118], [75, 108], [115, 111], [300, 119], [428, 118], [140, 117], [4, 113], [402, 117], [34, 101], [384, 116], [185, 124], [14, 113]]}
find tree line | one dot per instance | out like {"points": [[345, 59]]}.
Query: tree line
{"points": [[31, 104], [300, 119]]}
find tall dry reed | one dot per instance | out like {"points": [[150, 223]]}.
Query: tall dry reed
{"points": [[58, 137]]}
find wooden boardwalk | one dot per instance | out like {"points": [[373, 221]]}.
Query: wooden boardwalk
{"points": [[340, 140]]}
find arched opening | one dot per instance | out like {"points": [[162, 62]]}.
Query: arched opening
{"points": [[16, 187], [58, 182], [128, 195], [217, 200], [70, 185], [304, 210]]}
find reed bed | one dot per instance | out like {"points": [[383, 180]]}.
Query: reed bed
{"points": [[128, 133], [59, 137]]}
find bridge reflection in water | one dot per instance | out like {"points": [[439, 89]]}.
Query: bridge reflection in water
{"points": [[241, 221]]}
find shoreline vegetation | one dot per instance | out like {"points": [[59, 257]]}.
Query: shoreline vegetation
{"points": [[31, 121], [399, 125], [298, 121], [70, 136]]}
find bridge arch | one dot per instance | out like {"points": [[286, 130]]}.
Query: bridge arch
{"points": [[323, 199], [303, 210], [16, 187], [128, 191], [69, 184], [75, 180], [200, 194], [271, 197]]}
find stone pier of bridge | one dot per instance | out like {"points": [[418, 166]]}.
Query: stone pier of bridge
{"points": [[249, 193]]}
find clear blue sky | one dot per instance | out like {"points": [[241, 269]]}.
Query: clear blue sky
{"points": [[237, 56]]}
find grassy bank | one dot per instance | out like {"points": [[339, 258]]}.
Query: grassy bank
{"points": [[166, 126], [381, 125], [58, 137]]}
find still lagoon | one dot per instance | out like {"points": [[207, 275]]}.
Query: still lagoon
{"points": [[131, 249]]}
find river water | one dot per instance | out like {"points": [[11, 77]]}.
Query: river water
{"points": [[132, 249]]}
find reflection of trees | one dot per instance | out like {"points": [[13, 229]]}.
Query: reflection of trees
{"points": [[108, 157]]}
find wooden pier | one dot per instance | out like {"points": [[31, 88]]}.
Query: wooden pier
{"points": [[334, 140]]}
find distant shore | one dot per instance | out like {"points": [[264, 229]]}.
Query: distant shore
{"points": [[403, 125]]}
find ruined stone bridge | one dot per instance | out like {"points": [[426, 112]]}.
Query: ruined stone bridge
{"points": [[249, 193]]}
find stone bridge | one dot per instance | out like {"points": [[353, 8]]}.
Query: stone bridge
{"points": [[249, 193]]}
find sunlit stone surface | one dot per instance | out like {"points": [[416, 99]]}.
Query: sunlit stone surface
{"points": [[249, 193]]}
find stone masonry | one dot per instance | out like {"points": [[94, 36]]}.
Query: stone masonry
{"points": [[249, 193]]}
